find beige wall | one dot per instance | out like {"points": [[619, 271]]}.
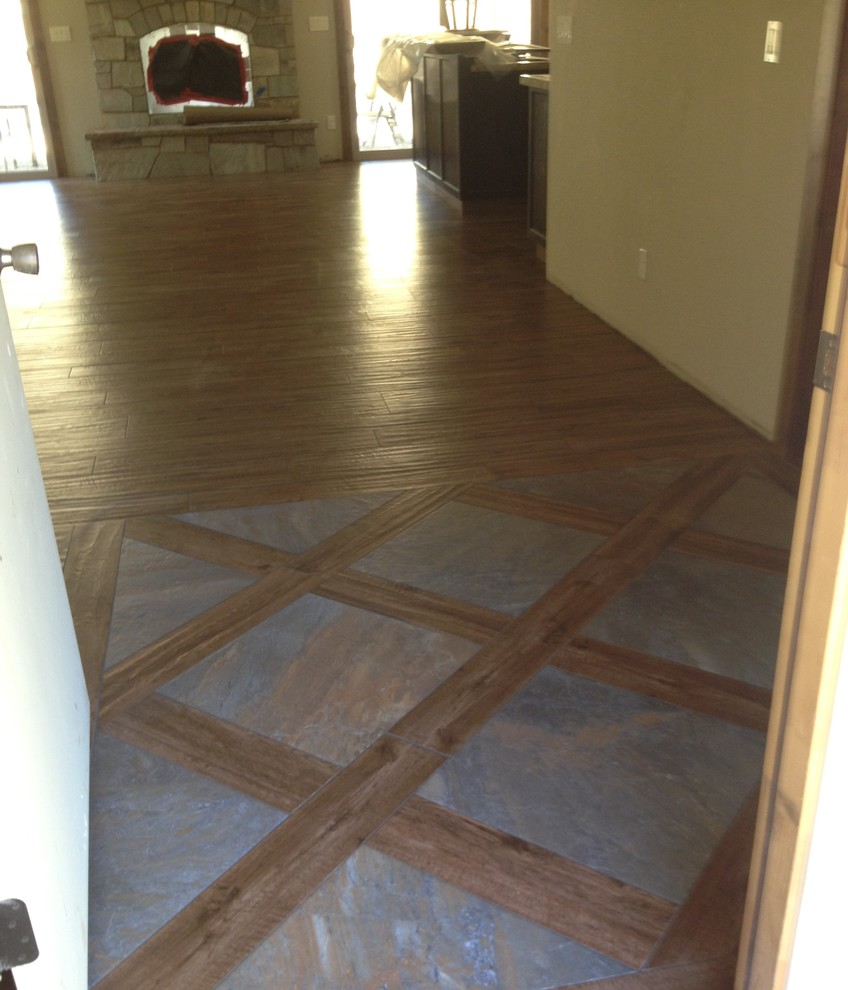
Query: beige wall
{"points": [[670, 133], [317, 74], [72, 73]]}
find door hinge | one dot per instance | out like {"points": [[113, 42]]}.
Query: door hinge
{"points": [[17, 941], [826, 361]]}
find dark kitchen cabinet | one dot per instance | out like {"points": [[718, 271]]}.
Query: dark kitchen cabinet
{"points": [[470, 127], [537, 187]]}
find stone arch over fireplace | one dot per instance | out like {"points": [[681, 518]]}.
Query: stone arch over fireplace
{"points": [[116, 26]]}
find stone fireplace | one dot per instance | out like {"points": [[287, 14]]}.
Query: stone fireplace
{"points": [[203, 120]]}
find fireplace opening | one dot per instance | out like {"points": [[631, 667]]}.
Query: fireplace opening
{"points": [[196, 65]]}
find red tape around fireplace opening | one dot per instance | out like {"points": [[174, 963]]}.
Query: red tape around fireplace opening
{"points": [[197, 67]]}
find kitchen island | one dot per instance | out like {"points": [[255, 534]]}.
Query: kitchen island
{"points": [[470, 125]]}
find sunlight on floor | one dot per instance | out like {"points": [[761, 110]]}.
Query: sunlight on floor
{"points": [[389, 221]]}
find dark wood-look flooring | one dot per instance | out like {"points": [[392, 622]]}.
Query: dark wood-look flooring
{"points": [[233, 342]]}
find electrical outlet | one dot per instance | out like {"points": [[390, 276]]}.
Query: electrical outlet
{"points": [[319, 23], [563, 29], [60, 33], [643, 264], [331, 122]]}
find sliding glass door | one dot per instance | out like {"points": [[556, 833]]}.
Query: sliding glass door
{"points": [[23, 147]]}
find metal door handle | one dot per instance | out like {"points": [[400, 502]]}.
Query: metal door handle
{"points": [[23, 258]]}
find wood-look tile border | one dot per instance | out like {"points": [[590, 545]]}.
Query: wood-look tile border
{"points": [[414, 605], [371, 476], [379, 526], [709, 922], [452, 713], [699, 543], [260, 767], [365, 591], [177, 651], [687, 687], [602, 913], [403, 601], [543, 509], [87, 500], [91, 574], [220, 927], [208, 545], [725, 549], [595, 910], [716, 974], [518, 651]]}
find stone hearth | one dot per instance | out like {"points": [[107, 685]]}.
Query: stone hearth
{"points": [[204, 149]]}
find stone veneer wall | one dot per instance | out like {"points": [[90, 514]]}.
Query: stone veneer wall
{"points": [[115, 27]]}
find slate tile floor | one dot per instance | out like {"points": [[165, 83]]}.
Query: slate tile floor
{"points": [[610, 779]]}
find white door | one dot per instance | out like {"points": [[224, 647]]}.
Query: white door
{"points": [[44, 712]]}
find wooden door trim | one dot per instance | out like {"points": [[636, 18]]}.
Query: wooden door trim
{"points": [[56, 162], [539, 18], [347, 85], [808, 666], [797, 387]]}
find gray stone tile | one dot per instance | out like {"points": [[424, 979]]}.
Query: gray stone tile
{"points": [[324, 677], [476, 555], [378, 924], [752, 509], [160, 834], [625, 490], [714, 616], [158, 591], [621, 783], [291, 526]]}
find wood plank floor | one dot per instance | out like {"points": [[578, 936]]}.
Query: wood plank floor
{"points": [[197, 351]]}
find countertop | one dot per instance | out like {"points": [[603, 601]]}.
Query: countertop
{"points": [[540, 80]]}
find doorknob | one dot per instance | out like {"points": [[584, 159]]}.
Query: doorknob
{"points": [[23, 258]]}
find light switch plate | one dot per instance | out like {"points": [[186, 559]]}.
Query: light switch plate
{"points": [[564, 29], [319, 23], [60, 33], [774, 34]]}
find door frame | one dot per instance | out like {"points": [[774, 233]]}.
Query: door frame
{"points": [[797, 388], [344, 54], [813, 637]]}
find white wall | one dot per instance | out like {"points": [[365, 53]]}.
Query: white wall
{"points": [[669, 132]]}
